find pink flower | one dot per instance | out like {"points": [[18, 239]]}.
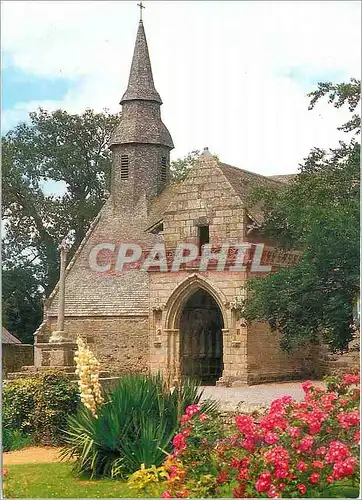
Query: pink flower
{"points": [[272, 493], [348, 419], [262, 485], [337, 451], [322, 450], [306, 444], [248, 444], [302, 466], [344, 468], [276, 454], [182, 494], [192, 410], [185, 418], [245, 424], [179, 441], [293, 432], [271, 438], [243, 474], [302, 488], [281, 473], [167, 494], [314, 428], [314, 478], [350, 379], [239, 492], [306, 386], [222, 477], [265, 476], [203, 417], [235, 463], [356, 437], [317, 464]]}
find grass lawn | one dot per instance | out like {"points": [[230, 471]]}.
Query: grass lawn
{"points": [[56, 480]]}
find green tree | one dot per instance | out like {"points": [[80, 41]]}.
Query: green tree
{"points": [[22, 302], [319, 215], [180, 167], [67, 152]]}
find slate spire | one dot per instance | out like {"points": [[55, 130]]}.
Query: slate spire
{"points": [[141, 143], [141, 115], [140, 83]]}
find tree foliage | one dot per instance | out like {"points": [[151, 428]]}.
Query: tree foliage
{"points": [[180, 167], [22, 301], [65, 152], [319, 215]]}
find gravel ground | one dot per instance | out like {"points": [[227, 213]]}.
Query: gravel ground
{"points": [[262, 394]]}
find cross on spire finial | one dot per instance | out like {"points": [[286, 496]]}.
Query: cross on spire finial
{"points": [[141, 6]]}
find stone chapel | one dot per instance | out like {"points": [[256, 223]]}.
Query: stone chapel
{"points": [[181, 323]]}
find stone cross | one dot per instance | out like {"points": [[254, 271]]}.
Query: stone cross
{"points": [[141, 6]]}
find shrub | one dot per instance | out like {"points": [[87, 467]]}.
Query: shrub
{"points": [[307, 448], [13, 440], [192, 466], [147, 482], [39, 406], [134, 426]]}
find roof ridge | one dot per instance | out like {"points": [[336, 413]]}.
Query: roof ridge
{"points": [[249, 172]]}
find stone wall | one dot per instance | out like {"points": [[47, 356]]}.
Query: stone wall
{"points": [[14, 356], [266, 362], [119, 343]]}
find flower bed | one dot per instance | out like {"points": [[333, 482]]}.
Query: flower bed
{"points": [[297, 449]]}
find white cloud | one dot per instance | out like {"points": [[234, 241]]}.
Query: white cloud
{"points": [[220, 68]]}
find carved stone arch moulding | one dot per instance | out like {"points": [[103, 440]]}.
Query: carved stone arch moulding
{"points": [[183, 291]]}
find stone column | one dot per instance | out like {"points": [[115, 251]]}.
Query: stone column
{"points": [[173, 354], [59, 351], [58, 335]]}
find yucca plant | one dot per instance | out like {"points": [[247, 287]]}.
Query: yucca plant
{"points": [[134, 426]]}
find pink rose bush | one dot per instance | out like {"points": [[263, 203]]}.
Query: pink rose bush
{"points": [[296, 449]]}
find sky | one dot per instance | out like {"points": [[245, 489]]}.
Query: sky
{"points": [[233, 76]]}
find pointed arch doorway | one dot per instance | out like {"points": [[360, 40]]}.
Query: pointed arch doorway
{"points": [[201, 338]]}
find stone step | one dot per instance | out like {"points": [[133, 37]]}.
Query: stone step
{"points": [[108, 383], [344, 359], [39, 369]]}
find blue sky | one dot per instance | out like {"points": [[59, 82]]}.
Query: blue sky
{"points": [[21, 86], [232, 75]]}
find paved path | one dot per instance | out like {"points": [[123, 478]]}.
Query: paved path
{"points": [[262, 394], [32, 455]]}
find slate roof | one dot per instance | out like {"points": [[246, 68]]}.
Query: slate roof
{"points": [[244, 182], [8, 338], [140, 83], [141, 119], [285, 178]]}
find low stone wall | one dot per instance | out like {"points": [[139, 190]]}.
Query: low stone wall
{"points": [[14, 356], [120, 343], [266, 362]]}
